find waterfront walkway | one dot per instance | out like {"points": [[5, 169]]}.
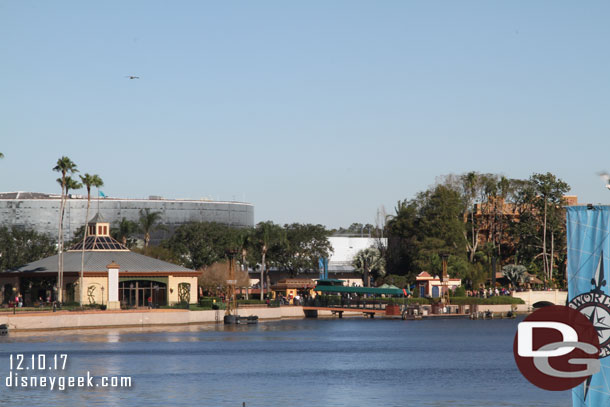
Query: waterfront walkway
{"points": [[132, 318]]}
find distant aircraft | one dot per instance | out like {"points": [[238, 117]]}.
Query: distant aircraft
{"points": [[132, 77], [606, 177]]}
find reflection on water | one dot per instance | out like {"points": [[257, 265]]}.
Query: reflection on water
{"points": [[355, 362]]}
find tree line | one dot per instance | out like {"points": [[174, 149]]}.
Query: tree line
{"points": [[478, 220]]}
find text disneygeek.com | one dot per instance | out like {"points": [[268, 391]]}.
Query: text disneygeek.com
{"points": [[22, 366]]}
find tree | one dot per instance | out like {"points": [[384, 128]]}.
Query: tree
{"points": [[402, 232], [244, 238], [550, 191], [425, 227], [213, 278], [305, 244], [516, 274], [124, 232], [149, 223], [89, 181], [268, 237], [201, 244], [19, 247], [369, 262], [65, 166]]}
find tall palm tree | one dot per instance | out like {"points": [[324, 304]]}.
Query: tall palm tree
{"points": [[65, 166], [245, 242], [89, 181], [149, 222], [267, 234]]}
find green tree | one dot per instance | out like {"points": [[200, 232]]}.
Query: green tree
{"points": [[402, 232], [550, 191], [369, 262], [149, 223], [305, 244], [516, 274], [19, 247], [88, 181], [200, 244], [124, 232], [424, 227], [65, 166]]}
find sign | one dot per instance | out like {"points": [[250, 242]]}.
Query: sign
{"points": [[588, 230], [556, 348]]}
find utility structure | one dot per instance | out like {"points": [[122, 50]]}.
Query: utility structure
{"points": [[231, 316], [445, 278]]}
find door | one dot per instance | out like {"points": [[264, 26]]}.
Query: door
{"points": [[435, 292]]}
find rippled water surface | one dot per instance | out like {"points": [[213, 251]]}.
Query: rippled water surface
{"points": [[347, 362]]}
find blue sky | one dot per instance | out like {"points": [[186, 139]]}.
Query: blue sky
{"points": [[314, 111]]}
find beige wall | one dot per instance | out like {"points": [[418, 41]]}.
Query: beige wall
{"points": [[97, 283], [172, 286]]}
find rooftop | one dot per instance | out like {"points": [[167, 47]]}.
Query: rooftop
{"points": [[19, 195]]}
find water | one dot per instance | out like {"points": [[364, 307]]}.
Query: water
{"points": [[347, 362]]}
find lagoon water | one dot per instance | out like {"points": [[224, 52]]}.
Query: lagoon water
{"points": [[291, 363]]}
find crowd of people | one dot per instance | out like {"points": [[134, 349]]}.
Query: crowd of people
{"points": [[488, 292]]}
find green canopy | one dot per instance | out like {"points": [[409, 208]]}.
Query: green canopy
{"points": [[358, 290]]}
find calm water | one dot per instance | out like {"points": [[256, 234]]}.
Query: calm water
{"points": [[348, 362]]}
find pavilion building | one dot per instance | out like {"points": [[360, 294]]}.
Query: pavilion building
{"points": [[113, 275]]}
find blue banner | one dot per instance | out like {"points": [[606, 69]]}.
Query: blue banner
{"points": [[588, 231]]}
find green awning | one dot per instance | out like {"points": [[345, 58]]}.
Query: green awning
{"points": [[358, 290]]}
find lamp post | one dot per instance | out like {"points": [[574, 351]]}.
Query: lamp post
{"points": [[102, 296]]}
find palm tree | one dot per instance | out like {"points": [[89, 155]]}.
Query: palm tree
{"points": [[369, 261], [65, 166], [245, 242], [89, 181], [267, 235], [149, 223], [124, 231], [516, 274]]}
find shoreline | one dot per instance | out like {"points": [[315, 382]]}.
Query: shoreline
{"points": [[73, 320]]}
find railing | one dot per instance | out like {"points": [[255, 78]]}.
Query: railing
{"points": [[341, 302]]}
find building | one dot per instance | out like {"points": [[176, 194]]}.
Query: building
{"points": [[344, 250], [339, 264], [113, 276], [38, 211], [496, 214], [428, 286]]}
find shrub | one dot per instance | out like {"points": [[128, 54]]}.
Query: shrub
{"points": [[459, 292]]}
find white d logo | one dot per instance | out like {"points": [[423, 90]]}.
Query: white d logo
{"points": [[525, 338]]}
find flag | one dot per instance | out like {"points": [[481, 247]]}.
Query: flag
{"points": [[588, 230], [101, 193]]}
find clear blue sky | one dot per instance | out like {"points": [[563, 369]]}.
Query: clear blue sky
{"points": [[314, 111]]}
